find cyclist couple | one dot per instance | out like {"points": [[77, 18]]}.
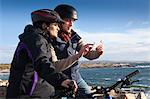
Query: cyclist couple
{"points": [[47, 55]]}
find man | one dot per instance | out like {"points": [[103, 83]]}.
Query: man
{"points": [[69, 42]]}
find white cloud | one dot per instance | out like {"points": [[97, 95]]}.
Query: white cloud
{"points": [[6, 53], [138, 22], [133, 45], [129, 23], [145, 22]]}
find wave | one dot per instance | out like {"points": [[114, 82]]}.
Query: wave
{"points": [[139, 66], [107, 79], [142, 66], [6, 73]]}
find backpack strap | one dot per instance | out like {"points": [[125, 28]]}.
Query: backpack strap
{"points": [[21, 47]]}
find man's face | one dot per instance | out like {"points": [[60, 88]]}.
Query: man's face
{"points": [[67, 26]]}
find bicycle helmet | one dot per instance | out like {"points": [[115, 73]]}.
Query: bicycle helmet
{"points": [[66, 11], [46, 15]]}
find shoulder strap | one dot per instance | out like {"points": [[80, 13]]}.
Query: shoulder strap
{"points": [[22, 46]]}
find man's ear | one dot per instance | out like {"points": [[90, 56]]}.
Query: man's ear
{"points": [[44, 26]]}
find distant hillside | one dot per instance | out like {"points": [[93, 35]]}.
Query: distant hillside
{"points": [[97, 64], [4, 66]]}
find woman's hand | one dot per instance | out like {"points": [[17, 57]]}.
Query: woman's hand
{"points": [[70, 83]]}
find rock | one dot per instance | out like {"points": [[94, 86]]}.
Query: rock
{"points": [[3, 82], [141, 95]]}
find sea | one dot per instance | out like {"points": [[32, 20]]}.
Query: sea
{"points": [[109, 76]]}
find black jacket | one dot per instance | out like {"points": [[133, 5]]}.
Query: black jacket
{"points": [[31, 61]]}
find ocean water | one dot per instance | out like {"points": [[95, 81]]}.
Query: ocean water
{"points": [[109, 76]]}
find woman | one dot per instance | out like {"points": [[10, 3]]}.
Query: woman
{"points": [[32, 74]]}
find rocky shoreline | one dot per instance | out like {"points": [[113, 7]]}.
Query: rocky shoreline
{"points": [[94, 64], [4, 68], [104, 65]]}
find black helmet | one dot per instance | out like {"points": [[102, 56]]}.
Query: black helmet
{"points": [[66, 11], [46, 15]]}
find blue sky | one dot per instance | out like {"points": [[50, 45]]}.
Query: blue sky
{"points": [[122, 25]]}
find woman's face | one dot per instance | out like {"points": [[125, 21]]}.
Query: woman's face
{"points": [[53, 29], [67, 26]]}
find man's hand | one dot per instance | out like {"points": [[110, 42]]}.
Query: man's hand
{"points": [[100, 48], [68, 83], [85, 49]]}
